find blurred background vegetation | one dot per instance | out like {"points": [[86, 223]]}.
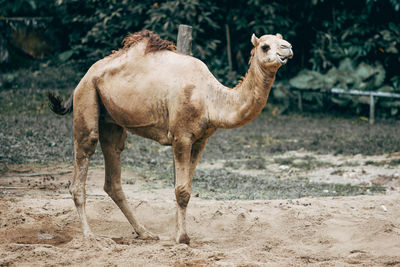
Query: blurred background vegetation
{"points": [[49, 44]]}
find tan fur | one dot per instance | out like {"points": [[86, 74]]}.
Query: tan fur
{"points": [[152, 91]]}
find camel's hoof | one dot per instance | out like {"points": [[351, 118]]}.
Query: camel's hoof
{"points": [[88, 235], [148, 236], [183, 239]]}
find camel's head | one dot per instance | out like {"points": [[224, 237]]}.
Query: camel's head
{"points": [[271, 49]]}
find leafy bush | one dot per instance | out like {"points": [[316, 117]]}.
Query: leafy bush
{"points": [[323, 32]]}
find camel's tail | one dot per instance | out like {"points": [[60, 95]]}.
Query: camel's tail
{"points": [[56, 105]]}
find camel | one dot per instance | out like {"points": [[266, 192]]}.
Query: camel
{"points": [[149, 89]]}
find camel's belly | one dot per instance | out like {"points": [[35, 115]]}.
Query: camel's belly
{"points": [[154, 131], [157, 134]]}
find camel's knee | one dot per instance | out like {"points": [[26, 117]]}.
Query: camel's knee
{"points": [[91, 142], [87, 143], [182, 194], [78, 194], [93, 137], [116, 194]]}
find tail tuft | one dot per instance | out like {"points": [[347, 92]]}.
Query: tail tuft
{"points": [[56, 105]]}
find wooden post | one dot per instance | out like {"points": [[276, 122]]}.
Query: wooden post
{"points": [[300, 101], [228, 47], [184, 46], [371, 109], [184, 42]]}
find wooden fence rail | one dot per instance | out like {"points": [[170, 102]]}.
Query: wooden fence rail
{"points": [[371, 94]]}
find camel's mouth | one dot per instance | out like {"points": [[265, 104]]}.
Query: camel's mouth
{"points": [[282, 59]]}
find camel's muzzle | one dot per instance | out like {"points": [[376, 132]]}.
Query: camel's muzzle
{"points": [[285, 54]]}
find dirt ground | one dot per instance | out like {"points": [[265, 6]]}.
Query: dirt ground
{"points": [[285, 190], [39, 225]]}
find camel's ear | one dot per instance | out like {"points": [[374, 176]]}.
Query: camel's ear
{"points": [[279, 36], [254, 40]]}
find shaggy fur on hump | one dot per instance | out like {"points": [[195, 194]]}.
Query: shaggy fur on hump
{"points": [[154, 43]]}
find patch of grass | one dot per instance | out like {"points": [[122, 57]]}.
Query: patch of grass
{"points": [[36, 139], [284, 161], [338, 172], [27, 101], [45, 76], [304, 163], [150, 187], [30, 133], [392, 163], [350, 164], [262, 140], [375, 163], [222, 184], [258, 163], [233, 164]]}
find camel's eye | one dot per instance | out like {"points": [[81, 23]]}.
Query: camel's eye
{"points": [[265, 47]]}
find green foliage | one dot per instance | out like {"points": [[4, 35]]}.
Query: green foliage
{"points": [[369, 33], [356, 36], [346, 76], [26, 8], [323, 32], [96, 27], [165, 18]]}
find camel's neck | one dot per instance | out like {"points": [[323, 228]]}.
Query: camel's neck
{"points": [[232, 108]]}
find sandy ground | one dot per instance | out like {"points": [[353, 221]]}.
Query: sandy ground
{"points": [[39, 226]]}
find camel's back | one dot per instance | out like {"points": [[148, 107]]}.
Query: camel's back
{"points": [[163, 70], [148, 85]]}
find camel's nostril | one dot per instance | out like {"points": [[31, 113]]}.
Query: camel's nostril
{"points": [[287, 53]]}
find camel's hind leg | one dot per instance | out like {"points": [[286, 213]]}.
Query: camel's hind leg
{"points": [[112, 139], [86, 115]]}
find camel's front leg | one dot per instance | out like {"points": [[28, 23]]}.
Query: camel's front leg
{"points": [[186, 158], [197, 150], [183, 185]]}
